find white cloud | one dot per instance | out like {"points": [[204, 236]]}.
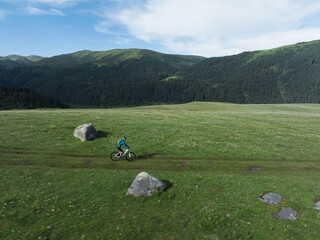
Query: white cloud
{"points": [[214, 47], [103, 27], [37, 11], [218, 27]]}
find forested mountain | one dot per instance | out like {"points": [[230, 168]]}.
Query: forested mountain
{"points": [[21, 98], [12, 61], [111, 78], [290, 74], [7, 64]]}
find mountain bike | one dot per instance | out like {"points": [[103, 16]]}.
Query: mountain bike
{"points": [[130, 156]]}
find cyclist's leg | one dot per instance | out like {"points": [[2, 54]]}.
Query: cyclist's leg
{"points": [[120, 150]]}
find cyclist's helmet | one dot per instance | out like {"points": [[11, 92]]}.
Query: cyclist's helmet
{"points": [[124, 138]]}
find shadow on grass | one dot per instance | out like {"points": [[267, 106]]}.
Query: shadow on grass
{"points": [[147, 155], [169, 184], [102, 134]]}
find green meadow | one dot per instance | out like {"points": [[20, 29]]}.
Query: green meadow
{"points": [[217, 159]]}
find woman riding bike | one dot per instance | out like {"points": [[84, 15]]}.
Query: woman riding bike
{"points": [[127, 154], [121, 142]]}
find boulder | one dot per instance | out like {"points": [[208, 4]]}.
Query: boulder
{"points": [[271, 198], [145, 185], [85, 132], [317, 205], [286, 213]]}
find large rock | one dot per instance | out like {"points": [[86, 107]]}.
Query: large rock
{"points": [[286, 213], [145, 185], [85, 132], [271, 198], [317, 205]]}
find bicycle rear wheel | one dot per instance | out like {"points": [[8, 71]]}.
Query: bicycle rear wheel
{"points": [[114, 156], [131, 156]]}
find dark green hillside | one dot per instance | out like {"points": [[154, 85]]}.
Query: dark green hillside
{"points": [[20, 98], [111, 78], [7, 64], [13, 61], [289, 74]]}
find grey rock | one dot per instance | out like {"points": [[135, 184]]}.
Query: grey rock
{"points": [[317, 205], [271, 198], [286, 213], [85, 132], [145, 185]]}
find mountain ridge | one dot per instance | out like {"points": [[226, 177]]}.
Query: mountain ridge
{"points": [[125, 77], [22, 59]]}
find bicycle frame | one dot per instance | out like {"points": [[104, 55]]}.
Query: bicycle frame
{"points": [[124, 153], [127, 151]]}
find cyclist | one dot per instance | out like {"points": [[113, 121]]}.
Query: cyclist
{"points": [[121, 142]]}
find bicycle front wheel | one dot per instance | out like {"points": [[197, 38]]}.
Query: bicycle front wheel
{"points": [[114, 156], [131, 156]]}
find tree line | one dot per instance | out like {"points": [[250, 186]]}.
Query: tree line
{"points": [[21, 98]]}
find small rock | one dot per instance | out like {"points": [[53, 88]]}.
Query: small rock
{"points": [[85, 132], [271, 198], [317, 205], [286, 213], [145, 185]]}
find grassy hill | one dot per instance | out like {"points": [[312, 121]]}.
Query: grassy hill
{"points": [[117, 57], [131, 77], [22, 59], [218, 158]]}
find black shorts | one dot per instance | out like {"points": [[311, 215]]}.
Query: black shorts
{"points": [[119, 148]]}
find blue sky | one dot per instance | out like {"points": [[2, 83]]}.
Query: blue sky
{"points": [[198, 27]]}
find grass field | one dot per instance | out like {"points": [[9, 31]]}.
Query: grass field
{"points": [[218, 158]]}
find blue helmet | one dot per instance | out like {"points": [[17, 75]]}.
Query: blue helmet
{"points": [[124, 138]]}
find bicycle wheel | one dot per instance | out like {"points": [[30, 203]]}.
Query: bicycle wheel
{"points": [[114, 156], [131, 156]]}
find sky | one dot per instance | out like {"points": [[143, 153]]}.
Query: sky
{"points": [[207, 28]]}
